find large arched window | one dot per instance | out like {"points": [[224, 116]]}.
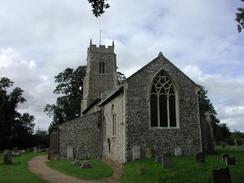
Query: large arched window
{"points": [[163, 102]]}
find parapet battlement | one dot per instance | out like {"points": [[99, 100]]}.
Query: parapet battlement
{"points": [[101, 48]]}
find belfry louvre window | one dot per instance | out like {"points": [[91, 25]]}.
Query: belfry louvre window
{"points": [[163, 102], [101, 67]]}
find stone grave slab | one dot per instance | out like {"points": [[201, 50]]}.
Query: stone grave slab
{"points": [[225, 156], [148, 152], [178, 151], [86, 164], [35, 149], [136, 152], [70, 152], [76, 162], [166, 160], [200, 157], [157, 154], [7, 157], [221, 175]]}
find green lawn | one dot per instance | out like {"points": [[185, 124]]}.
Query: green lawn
{"points": [[18, 172], [99, 169], [184, 169]]}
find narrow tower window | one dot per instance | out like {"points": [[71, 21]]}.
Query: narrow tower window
{"points": [[101, 67], [163, 102]]}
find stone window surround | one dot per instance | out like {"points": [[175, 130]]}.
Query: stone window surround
{"points": [[176, 105]]}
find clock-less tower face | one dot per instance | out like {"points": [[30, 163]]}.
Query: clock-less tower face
{"points": [[101, 73]]}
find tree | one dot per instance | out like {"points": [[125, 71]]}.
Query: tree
{"points": [[15, 128], [240, 18], [98, 7], [41, 138], [220, 130], [69, 86]]}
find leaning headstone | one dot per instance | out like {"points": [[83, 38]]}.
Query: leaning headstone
{"points": [[76, 163], [166, 160], [200, 157], [136, 153], [230, 161], [35, 149], [148, 152], [70, 152], [86, 164], [7, 157], [178, 151], [225, 156], [222, 175]]}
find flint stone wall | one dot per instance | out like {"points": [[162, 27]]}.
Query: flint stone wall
{"points": [[138, 131], [117, 147], [83, 134]]}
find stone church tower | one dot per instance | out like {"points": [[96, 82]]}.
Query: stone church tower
{"points": [[101, 73]]}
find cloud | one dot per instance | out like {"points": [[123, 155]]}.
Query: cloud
{"points": [[225, 93], [36, 85], [39, 39]]}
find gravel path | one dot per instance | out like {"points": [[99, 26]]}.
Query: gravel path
{"points": [[38, 166]]}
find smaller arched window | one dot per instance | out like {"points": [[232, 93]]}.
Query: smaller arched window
{"points": [[101, 67], [163, 104]]}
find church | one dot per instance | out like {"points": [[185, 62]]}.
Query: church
{"points": [[155, 108]]}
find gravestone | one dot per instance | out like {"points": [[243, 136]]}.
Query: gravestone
{"points": [[200, 157], [7, 157], [136, 153], [148, 152], [230, 161], [70, 152], [178, 151], [225, 156], [166, 160], [222, 175], [157, 154], [35, 149], [76, 162], [86, 164]]}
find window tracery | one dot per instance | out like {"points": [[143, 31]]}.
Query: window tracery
{"points": [[163, 102]]}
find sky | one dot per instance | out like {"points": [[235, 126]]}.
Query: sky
{"points": [[39, 39]]}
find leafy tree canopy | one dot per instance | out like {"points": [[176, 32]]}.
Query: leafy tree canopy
{"points": [[240, 18], [69, 86], [15, 128], [98, 7]]}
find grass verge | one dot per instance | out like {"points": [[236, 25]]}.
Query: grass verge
{"points": [[184, 169], [99, 169], [18, 172]]}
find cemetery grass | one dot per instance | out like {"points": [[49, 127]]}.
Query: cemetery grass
{"points": [[99, 169], [18, 172], [184, 169]]}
